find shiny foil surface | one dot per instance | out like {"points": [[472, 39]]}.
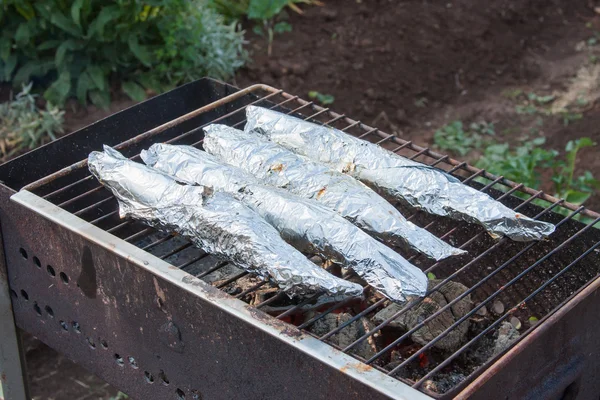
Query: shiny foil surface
{"points": [[275, 165], [306, 224], [396, 177], [214, 222]]}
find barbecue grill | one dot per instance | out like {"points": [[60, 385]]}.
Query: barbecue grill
{"points": [[158, 318]]}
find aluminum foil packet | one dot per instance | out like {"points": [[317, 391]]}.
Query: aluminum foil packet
{"points": [[213, 221], [306, 224], [397, 177], [277, 166]]}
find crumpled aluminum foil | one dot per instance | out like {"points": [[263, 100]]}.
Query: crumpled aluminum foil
{"points": [[215, 222], [277, 166], [397, 177], [304, 223]]}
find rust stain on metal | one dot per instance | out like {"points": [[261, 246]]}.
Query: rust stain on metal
{"points": [[284, 328], [159, 292], [360, 367], [3, 377]]}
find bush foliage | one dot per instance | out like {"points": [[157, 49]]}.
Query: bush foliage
{"points": [[84, 48]]}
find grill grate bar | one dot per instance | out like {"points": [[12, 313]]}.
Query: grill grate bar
{"points": [[496, 293], [446, 280], [506, 314]]}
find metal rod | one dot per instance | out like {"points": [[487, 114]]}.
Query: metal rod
{"points": [[446, 280], [496, 293], [503, 317]]}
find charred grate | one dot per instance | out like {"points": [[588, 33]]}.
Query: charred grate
{"points": [[505, 280]]}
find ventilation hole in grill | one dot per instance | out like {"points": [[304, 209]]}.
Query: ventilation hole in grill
{"points": [[76, 326], [64, 325], [37, 309], [119, 360], [132, 362], [25, 295], [91, 343], [180, 394], [64, 277], [160, 302], [14, 294], [23, 253], [51, 270], [37, 262], [149, 377], [163, 378], [49, 311], [103, 344]]}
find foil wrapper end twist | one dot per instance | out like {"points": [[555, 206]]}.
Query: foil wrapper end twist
{"points": [[397, 177], [215, 222]]}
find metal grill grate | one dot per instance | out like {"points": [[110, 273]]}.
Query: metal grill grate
{"points": [[531, 279]]}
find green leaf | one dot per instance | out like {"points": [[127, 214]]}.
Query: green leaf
{"points": [[282, 27], [49, 44], [5, 46], [84, 85], [258, 30], [58, 92], [97, 75], [22, 35], [431, 276], [106, 15], [25, 9], [133, 90], [100, 98], [141, 52], [62, 51], [265, 9], [64, 23], [76, 11], [9, 66], [577, 197]]}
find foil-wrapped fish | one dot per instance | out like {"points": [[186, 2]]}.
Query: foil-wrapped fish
{"points": [[277, 166], [397, 177], [215, 222], [304, 223]]}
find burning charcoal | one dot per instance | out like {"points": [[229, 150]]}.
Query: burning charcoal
{"points": [[482, 311], [498, 307], [442, 382], [507, 334], [366, 349], [436, 326], [514, 321]]}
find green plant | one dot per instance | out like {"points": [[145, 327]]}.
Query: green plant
{"points": [[527, 162], [238, 9], [453, 136], [521, 164], [84, 48], [119, 396], [567, 186], [24, 126], [325, 99]]}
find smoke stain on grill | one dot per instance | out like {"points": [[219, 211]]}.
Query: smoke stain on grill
{"points": [[87, 278]]}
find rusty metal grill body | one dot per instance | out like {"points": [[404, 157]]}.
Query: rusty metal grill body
{"points": [[134, 306]]}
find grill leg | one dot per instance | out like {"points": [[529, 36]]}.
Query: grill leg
{"points": [[12, 372]]}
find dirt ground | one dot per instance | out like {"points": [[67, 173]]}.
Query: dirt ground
{"points": [[409, 67]]}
